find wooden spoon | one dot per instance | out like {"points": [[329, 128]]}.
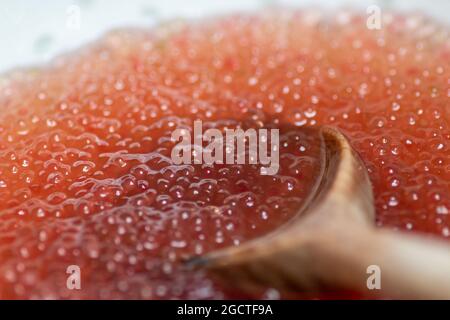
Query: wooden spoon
{"points": [[333, 242]]}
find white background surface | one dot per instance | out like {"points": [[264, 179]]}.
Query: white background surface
{"points": [[33, 31]]}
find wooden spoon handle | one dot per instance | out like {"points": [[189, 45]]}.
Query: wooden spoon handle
{"points": [[411, 266]]}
